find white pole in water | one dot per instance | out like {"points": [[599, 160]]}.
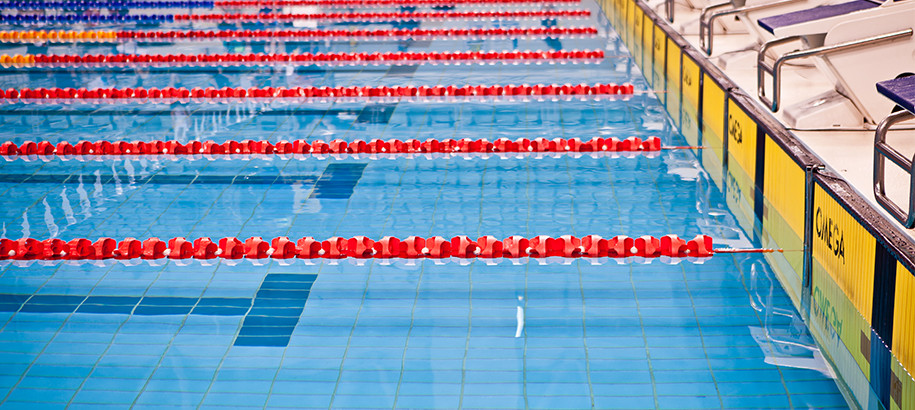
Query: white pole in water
{"points": [[520, 317]]}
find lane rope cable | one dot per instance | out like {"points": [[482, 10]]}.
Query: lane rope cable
{"points": [[275, 17], [170, 95], [337, 146], [261, 59], [361, 247], [15, 36]]}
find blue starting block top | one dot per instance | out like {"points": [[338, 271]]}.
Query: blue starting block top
{"points": [[817, 13], [900, 90]]}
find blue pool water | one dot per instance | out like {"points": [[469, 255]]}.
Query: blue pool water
{"points": [[559, 333]]}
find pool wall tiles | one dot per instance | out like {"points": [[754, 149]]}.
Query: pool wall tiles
{"points": [[854, 278]]}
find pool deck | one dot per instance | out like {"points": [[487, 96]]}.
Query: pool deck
{"points": [[848, 150]]}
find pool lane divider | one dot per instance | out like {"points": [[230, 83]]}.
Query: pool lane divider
{"points": [[380, 3], [375, 3], [52, 36], [208, 4], [261, 59], [80, 5], [355, 17], [170, 95], [359, 247], [337, 146]]}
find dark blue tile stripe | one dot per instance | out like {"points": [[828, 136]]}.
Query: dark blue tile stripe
{"points": [[376, 113], [269, 320], [150, 305], [338, 181], [276, 309], [163, 179]]}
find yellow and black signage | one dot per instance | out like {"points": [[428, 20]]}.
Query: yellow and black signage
{"points": [[672, 98], [859, 292]]}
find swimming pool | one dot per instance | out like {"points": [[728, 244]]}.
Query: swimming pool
{"points": [[684, 333]]}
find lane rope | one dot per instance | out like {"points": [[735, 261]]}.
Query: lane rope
{"points": [[274, 17], [260, 59], [359, 247], [375, 3], [337, 146], [16, 36], [82, 5], [170, 95]]}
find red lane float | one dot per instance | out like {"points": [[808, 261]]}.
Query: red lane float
{"points": [[360, 247], [252, 59], [107, 36], [387, 16], [361, 33], [375, 3], [319, 147], [229, 94]]}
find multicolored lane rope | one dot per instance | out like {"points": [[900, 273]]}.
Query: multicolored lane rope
{"points": [[275, 17], [375, 3], [169, 95], [272, 59], [69, 36], [81, 5]]}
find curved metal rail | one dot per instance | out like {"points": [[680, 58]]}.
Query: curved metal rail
{"points": [[774, 69], [882, 152]]}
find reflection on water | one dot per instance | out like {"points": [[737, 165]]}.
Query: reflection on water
{"points": [[331, 120], [784, 337]]}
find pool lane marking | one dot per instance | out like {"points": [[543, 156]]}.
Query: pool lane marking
{"points": [[85, 150]]}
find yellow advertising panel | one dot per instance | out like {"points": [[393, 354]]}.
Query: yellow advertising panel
{"points": [[630, 23], [845, 329], [904, 318], [659, 55], [713, 121], [741, 134], [712, 131], [783, 209], [659, 45], [635, 42], [672, 99], [786, 188], [741, 139], [845, 250], [622, 15], [648, 28], [689, 123], [690, 80]]}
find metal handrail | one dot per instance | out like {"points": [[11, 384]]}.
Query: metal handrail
{"points": [[774, 70], [707, 21], [704, 26], [883, 151]]}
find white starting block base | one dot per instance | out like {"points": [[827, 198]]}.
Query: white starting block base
{"points": [[823, 111], [826, 124]]}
